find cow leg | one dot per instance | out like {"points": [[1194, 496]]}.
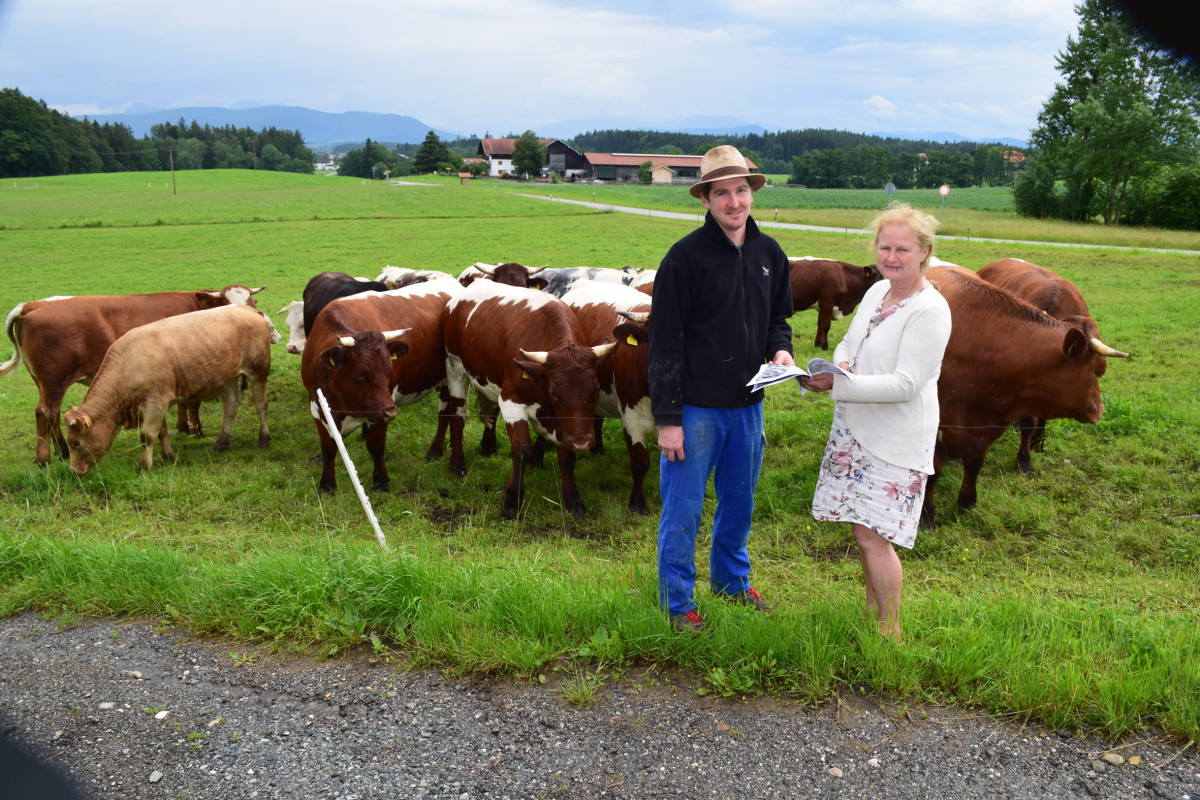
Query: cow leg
{"points": [[928, 507], [538, 457], [229, 405], [598, 447], [456, 411], [566, 469], [152, 429], [967, 495], [1038, 440], [824, 321], [376, 436], [49, 429], [258, 396], [488, 413], [445, 419], [639, 465], [521, 448], [187, 419], [329, 452], [1027, 427]]}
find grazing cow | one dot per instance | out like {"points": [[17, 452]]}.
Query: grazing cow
{"points": [[188, 357], [609, 311], [523, 351], [1005, 360], [359, 371], [399, 277], [328, 286], [1062, 300], [62, 341], [834, 288]]}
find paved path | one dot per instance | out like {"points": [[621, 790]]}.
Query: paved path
{"points": [[646, 212]]}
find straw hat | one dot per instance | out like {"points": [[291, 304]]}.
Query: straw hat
{"points": [[721, 162]]}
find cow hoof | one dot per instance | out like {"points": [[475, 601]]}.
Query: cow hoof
{"points": [[264, 442], [508, 513], [577, 510], [381, 486], [221, 444], [639, 507], [458, 472], [326, 489]]}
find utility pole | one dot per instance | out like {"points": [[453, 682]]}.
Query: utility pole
{"points": [[171, 156]]}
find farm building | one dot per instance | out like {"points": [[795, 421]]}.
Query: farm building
{"points": [[623, 167], [568, 162]]}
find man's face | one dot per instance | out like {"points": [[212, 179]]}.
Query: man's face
{"points": [[729, 201]]}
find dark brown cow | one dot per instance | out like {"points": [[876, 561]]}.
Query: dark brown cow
{"points": [[184, 358], [523, 351], [62, 341], [323, 289], [357, 368], [609, 311], [1005, 360], [1059, 298], [834, 288], [510, 274]]}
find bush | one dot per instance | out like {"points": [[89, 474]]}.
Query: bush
{"points": [[1168, 199]]}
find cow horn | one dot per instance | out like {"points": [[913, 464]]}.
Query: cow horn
{"points": [[536, 270], [486, 269], [346, 341], [536, 356], [1104, 350], [389, 335], [602, 350], [635, 316]]}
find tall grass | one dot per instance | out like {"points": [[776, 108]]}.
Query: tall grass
{"points": [[1069, 595]]}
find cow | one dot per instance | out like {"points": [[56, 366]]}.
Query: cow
{"points": [[1005, 360], [328, 286], [509, 273], [399, 277], [184, 358], [557, 281], [62, 341], [609, 311], [355, 358], [524, 352], [1062, 300], [834, 288]]}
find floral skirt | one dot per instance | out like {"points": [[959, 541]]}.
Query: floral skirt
{"points": [[855, 486]]}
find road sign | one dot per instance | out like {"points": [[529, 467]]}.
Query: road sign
{"points": [[944, 189], [890, 189]]}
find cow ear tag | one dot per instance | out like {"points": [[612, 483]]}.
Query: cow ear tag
{"points": [[393, 356], [631, 341], [331, 362], [526, 375]]}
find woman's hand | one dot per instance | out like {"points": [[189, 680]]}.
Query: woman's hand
{"points": [[821, 382]]}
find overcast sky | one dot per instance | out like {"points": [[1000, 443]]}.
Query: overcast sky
{"points": [[978, 68]]}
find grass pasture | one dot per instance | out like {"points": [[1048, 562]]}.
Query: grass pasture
{"points": [[1068, 596]]}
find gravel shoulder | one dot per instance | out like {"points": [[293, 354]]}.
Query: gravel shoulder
{"points": [[131, 711]]}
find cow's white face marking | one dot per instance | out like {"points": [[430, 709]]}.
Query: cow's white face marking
{"points": [[295, 326], [238, 296]]}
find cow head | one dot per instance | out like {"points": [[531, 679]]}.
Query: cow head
{"points": [[233, 295], [88, 439], [635, 332], [295, 325], [514, 274], [358, 369], [567, 378]]}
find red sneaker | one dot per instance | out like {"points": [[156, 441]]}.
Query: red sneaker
{"points": [[689, 621]]}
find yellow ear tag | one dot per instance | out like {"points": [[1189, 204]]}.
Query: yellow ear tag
{"points": [[331, 362], [393, 356], [526, 375], [87, 423], [632, 342]]}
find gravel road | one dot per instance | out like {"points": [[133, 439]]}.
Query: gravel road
{"points": [[133, 712]]}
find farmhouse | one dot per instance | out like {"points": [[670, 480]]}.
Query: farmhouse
{"points": [[622, 167], [498, 154]]}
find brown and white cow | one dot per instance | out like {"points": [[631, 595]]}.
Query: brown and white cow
{"points": [[353, 357], [295, 325], [1005, 360], [834, 288], [185, 358], [62, 341], [524, 351], [1061, 299], [609, 311]]}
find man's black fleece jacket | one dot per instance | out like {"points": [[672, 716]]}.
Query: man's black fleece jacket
{"points": [[719, 312]]}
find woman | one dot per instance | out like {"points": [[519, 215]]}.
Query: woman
{"points": [[885, 417]]}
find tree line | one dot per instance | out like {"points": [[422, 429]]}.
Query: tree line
{"points": [[36, 140]]}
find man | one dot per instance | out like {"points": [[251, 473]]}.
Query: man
{"points": [[721, 300]]}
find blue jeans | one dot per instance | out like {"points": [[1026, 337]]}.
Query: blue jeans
{"points": [[728, 444]]}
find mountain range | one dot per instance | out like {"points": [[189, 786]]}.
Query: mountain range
{"points": [[322, 129]]}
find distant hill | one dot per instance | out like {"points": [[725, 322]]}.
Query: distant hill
{"points": [[716, 126], [319, 128]]}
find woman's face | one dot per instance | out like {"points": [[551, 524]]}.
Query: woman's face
{"points": [[898, 254]]}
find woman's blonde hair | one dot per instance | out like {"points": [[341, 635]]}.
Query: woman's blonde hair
{"points": [[921, 224]]}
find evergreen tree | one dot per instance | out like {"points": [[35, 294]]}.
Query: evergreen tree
{"points": [[432, 154]]}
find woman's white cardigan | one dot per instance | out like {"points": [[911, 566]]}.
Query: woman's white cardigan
{"points": [[891, 403]]}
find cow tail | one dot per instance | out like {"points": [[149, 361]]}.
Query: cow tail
{"points": [[11, 326]]}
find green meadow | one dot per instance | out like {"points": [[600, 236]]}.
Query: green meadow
{"points": [[1068, 596]]}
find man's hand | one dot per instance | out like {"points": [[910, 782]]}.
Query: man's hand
{"points": [[670, 441], [784, 358]]}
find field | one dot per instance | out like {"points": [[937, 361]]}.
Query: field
{"points": [[1068, 596]]}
